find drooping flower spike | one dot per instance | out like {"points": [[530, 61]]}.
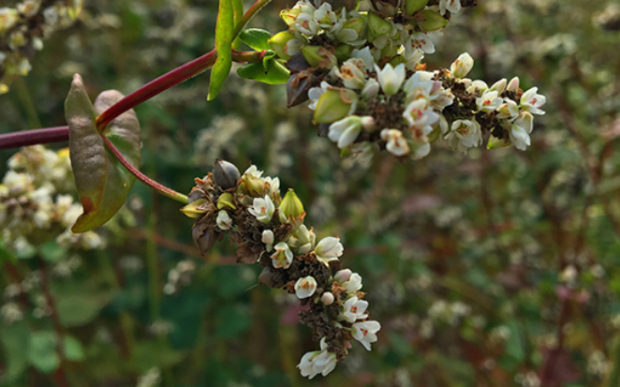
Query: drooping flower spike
{"points": [[270, 230]]}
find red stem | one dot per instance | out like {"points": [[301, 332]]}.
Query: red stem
{"points": [[34, 136], [142, 177]]}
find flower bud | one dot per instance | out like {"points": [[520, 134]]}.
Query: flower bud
{"points": [[327, 298], [513, 85], [499, 86], [319, 57], [333, 105], [413, 6], [377, 26], [431, 21], [253, 186], [290, 15], [291, 206], [267, 237], [462, 66], [343, 276], [225, 174], [278, 43], [368, 123], [226, 200]]}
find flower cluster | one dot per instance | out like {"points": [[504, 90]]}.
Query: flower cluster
{"points": [[364, 77], [33, 208], [270, 230], [22, 30]]}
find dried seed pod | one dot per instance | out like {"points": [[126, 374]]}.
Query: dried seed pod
{"points": [[297, 89], [297, 63], [204, 238], [225, 174], [271, 278], [196, 194]]}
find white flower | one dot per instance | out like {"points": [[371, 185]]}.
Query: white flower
{"points": [[317, 362], [363, 152], [418, 114], [353, 73], [499, 86], [366, 332], [263, 209], [417, 86], [329, 249], [302, 240], [509, 109], [396, 143], [421, 41], [305, 287], [464, 134], [268, 238], [532, 102], [453, 6], [283, 257], [520, 130], [345, 131], [489, 101], [462, 65], [306, 24], [477, 85], [421, 151], [253, 171], [365, 55], [370, 90], [354, 309], [224, 221], [274, 185], [390, 78], [353, 284]]}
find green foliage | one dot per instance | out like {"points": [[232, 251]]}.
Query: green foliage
{"points": [[256, 38], [224, 32]]}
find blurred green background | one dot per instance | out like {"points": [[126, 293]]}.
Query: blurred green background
{"points": [[496, 268]]}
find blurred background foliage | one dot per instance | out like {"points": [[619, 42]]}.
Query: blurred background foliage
{"points": [[495, 268]]}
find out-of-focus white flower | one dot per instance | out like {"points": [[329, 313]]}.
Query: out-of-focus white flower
{"points": [[253, 171], [283, 256], [365, 55], [371, 89], [353, 284], [421, 151], [366, 332], [420, 115], [363, 152], [328, 249], [305, 287], [396, 143], [509, 109], [421, 41], [353, 73], [453, 6], [268, 238], [345, 131], [520, 131], [354, 309], [532, 102], [489, 101], [462, 65], [464, 134], [223, 220], [317, 362], [262, 209], [391, 78]]}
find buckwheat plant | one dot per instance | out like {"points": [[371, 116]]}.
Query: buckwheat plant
{"points": [[22, 30], [359, 66], [270, 230]]}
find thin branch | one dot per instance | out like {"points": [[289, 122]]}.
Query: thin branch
{"points": [[172, 194], [33, 137]]}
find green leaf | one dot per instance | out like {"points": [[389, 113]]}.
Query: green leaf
{"points": [[101, 181], [5, 254], [73, 349], [224, 31], [42, 351], [15, 352], [256, 38], [275, 75]]}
